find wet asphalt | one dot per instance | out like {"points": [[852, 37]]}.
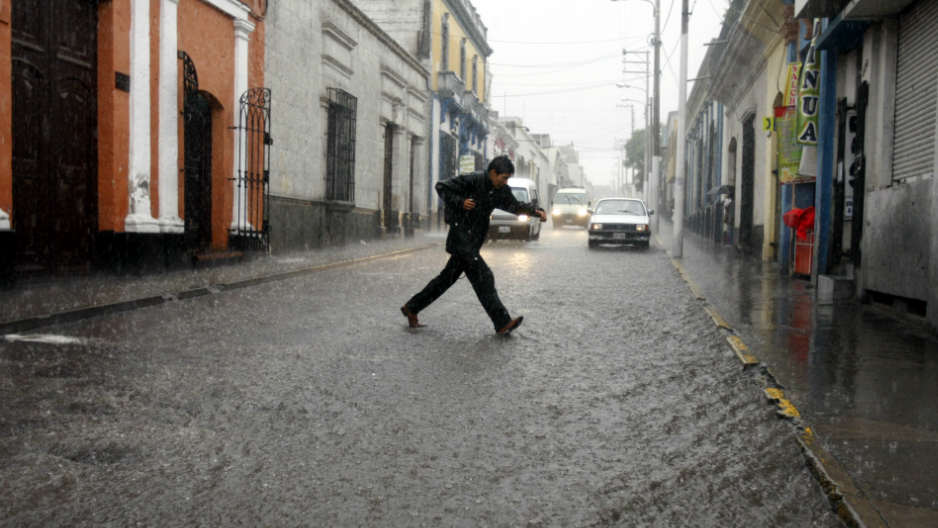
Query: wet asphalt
{"points": [[865, 381], [309, 402]]}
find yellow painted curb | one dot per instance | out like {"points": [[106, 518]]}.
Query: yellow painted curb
{"points": [[742, 351], [693, 287], [785, 407], [717, 318], [774, 394]]}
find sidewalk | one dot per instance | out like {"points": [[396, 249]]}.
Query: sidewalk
{"points": [[866, 383], [36, 304]]}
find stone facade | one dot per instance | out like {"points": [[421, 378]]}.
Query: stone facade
{"points": [[330, 44]]}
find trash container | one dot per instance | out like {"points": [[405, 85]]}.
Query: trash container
{"points": [[804, 254]]}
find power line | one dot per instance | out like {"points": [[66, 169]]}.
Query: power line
{"points": [[555, 91], [584, 63], [555, 43], [495, 80], [556, 64]]}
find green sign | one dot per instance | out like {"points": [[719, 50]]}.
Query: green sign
{"points": [[809, 91], [788, 149]]}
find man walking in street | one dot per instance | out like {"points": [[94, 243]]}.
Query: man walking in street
{"points": [[469, 201]]}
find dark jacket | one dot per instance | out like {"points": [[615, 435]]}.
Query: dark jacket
{"points": [[468, 229]]}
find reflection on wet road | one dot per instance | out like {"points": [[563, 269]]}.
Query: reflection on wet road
{"points": [[309, 402], [865, 382]]}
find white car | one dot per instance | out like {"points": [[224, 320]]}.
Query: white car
{"points": [[619, 221], [570, 207]]}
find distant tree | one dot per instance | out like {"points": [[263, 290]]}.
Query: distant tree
{"points": [[635, 157]]}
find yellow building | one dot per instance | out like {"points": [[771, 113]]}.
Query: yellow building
{"points": [[449, 38]]}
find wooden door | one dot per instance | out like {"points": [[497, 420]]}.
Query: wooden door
{"points": [[54, 133]]}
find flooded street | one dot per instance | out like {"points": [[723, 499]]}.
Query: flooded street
{"points": [[310, 402]]}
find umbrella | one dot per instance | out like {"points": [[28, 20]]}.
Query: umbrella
{"points": [[723, 189]]}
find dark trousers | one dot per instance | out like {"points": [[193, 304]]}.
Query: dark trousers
{"points": [[482, 280]]}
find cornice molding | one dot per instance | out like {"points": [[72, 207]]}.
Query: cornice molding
{"points": [[468, 25], [340, 36], [232, 8], [385, 39]]}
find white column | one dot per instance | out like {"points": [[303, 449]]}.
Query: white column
{"points": [[242, 32], [139, 219], [4, 220], [169, 119]]}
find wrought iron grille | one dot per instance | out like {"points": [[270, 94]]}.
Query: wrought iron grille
{"points": [[251, 229], [340, 150], [197, 156]]}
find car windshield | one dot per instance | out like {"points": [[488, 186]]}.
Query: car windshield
{"points": [[520, 194], [570, 199], [626, 207]]}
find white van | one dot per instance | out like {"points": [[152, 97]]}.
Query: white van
{"points": [[503, 224], [571, 206]]}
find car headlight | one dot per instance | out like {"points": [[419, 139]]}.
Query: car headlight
{"points": [[596, 226], [640, 228], [582, 212], [522, 218], [556, 211]]}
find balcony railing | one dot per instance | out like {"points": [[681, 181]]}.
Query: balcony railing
{"points": [[483, 114], [450, 86], [471, 103]]}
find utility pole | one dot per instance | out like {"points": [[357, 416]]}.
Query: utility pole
{"points": [[647, 164], [677, 249], [656, 119]]}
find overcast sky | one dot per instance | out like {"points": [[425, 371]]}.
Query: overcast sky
{"points": [[558, 61]]}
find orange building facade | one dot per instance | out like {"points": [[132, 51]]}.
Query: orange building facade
{"points": [[132, 133]]}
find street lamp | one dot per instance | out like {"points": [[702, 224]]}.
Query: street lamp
{"points": [[624, 85], [655, 117]]}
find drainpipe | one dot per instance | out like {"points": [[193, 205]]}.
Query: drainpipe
{"points": [[823, 197]]}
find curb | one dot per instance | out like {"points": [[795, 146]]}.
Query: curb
{"points": [[847, 501], [32, 323]]}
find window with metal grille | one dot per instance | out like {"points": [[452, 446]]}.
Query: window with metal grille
{"points": [[340, 149]]}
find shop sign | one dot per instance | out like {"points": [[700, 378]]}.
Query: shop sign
{"points": [[467, 164], [788, 148], [791, 85], [809, 91]]}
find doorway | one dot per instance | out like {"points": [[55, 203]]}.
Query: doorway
{"points": [[54, 78], [747, 184], [197, 146], [390, 222]]}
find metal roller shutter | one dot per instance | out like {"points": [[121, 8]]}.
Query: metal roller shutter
{"points": [[916, 91]]}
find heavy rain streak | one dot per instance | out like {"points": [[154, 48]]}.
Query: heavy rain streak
{"points": [[469, 263]]}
